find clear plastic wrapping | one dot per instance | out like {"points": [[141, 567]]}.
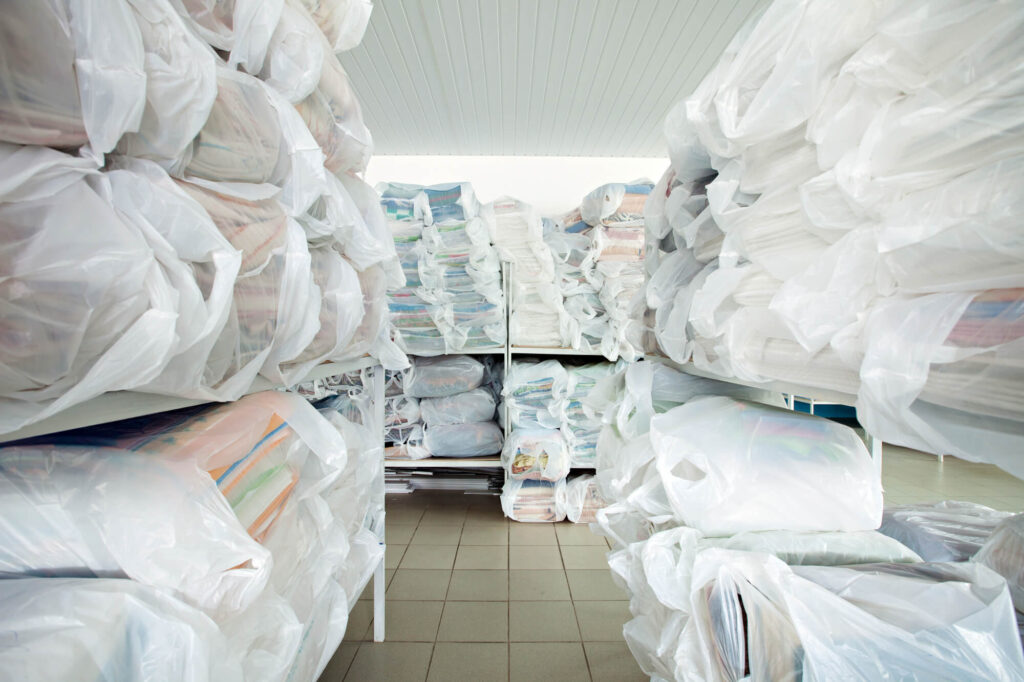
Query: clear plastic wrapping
{"points": [[943, 531]]}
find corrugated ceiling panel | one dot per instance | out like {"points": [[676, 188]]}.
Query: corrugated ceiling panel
{"points": [[534, 77]]}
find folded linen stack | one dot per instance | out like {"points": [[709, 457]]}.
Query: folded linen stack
{"points": [[821, 224], [538, 318], [452, 299]]}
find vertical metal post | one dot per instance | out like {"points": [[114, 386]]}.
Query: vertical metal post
{"points": [[875, 447], [378, 573]]}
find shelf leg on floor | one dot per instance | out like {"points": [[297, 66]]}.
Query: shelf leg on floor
{"points": [[378, 602], [875, 446]]}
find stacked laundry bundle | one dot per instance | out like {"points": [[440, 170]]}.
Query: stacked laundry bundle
{"points": [[538, 318], [443, 407], [579, 282], [843, 201], [452, 299], [551, 431], [745, 537], [248, 524], [228, 249]]}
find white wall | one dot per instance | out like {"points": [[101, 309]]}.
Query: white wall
{"points": [[553, 185]]}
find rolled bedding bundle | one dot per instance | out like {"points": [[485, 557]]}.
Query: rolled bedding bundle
{"points": [[463, 440], [47, 98], [535, 453], [241, 140], [341, 309], [472, 406], [243, 28], [943, 531], [442, 377], [332, 113], [343, 22], [533, 501], [104, 320], [108, 629]]}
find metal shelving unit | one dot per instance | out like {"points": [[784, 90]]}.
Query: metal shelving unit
{"points": [[445, 463]]}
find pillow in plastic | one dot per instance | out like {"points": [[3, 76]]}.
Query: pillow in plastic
{"points": [[463, 408], [463, 440], [442, 377]]}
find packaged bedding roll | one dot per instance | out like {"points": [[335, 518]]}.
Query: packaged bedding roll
{"points": [[942, 531], [463, 440], [443, 376], [108, 629], [463, 408]]}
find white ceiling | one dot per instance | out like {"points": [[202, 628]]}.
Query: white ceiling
{"points": [[534, 77]]}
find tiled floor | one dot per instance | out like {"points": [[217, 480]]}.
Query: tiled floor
{"points": [[472, 597]]}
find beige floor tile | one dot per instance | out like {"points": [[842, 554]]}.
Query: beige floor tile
{"points": [[469, 662], [534, 661], [584, 557], [443, 517], [576, 534], [412, 584], [339, 664], [474, 621], [484, 535], [594, 585], [358, 618], [402, 516], [531, 534], [486, 521], [602, 621], [390, 661], [542, 621], [481, 585], [424, 556], [437, 535], [478, 557], [409, 621], [612, 662], [534, 558], [538, 585], [393, 555], [398, 533]]}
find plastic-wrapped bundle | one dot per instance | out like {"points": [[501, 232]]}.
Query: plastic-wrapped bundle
{"points": [[333, 115], [533, 501], [476, 405], [341, 308], [1003, 552], [581, 425], [533, 392], [943, 531], [295, 54], [342, 21], [753, 613], [463, 440], [963, 388], [105, 320], [616, 204], [442, 377], [582, 499], [450, 201], [240, 27], [108, 629], [241, 139], [181, 84], [401, 410], [786, 471], [534, 453], [45, 99]]}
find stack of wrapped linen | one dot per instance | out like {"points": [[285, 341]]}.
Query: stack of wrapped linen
{"points": [[843, 201], [452, 299], [206, 214]]}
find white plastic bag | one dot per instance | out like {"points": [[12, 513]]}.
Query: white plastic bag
{"points": [[730, 466], [582, 499], [534, 453], [533, 501], [1003, 552], [444, 376], [943, 531], [463, 440], [295, 55], [108, 629], [342, 21], [241, 27], [341, 309], [476, 405], [103, 512]]}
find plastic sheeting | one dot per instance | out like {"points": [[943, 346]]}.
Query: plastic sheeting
{"points": [[109, 630], [785, 470], [943, 531], [1003, 552]]}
